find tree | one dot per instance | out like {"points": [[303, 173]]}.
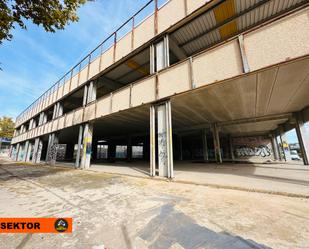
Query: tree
{"points": [[6, 127], [51, 14]]}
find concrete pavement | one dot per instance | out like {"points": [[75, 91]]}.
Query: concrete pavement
{"points": [[126, 212]]}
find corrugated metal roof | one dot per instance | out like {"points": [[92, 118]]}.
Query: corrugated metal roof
{"points": [[206, 31]]}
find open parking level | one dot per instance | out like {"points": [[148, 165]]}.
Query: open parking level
{"points": [[275, 178], [129, 212]]}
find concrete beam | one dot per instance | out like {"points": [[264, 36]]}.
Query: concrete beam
{"points": [[178, 51], [108, 83]]}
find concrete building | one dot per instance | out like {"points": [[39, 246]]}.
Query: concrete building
{"points": [[212, 81]]}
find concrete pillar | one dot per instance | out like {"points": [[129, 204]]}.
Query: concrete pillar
{"points": [[87, 145], [60, 109], [55, 110], [285, 145], [161, 54], [21, 152], [231, 148], [302, 137], [30, 124], [92, 92], [165, 140], [129, 149], [85, 98], [217, 146], [79, 144], [205, 146], [50, 138], [27, 151], [152, 141], [278, 146], [51, 155], [275, 148], [17, 151], [37, 150]]}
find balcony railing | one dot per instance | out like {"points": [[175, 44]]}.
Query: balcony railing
{"points": [[148, 9]]}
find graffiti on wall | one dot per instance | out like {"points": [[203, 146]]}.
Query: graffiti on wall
{"points": [[162, 153], [252, 147], [248, 151]]}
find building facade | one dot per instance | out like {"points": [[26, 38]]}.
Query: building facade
{"points": [[212, 81]]}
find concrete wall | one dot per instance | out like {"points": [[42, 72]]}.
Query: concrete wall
{"points": [[253, 148]]}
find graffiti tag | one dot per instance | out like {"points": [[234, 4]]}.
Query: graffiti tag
{"points": [[247, 151]]}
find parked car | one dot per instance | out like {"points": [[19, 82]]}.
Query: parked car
{"points": [[294, 155]]}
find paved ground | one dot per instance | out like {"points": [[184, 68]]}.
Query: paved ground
{"points": [[287, 179], [128, 212]]}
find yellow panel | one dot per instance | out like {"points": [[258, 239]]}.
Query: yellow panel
{"points": [[222, 13]]}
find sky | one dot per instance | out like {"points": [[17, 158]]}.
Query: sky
{"points": [[34, 60]]}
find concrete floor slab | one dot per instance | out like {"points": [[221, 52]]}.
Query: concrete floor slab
{"points": [[278, 178]]}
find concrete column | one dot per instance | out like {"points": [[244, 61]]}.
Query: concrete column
{"points": [[30, 152], [162, 54], [302, 137], [274, 144], [152, 141], [55, 110], [27, 151], [205, 146], [37, 150], [278, 146], [165, 140], [129, 149], [52, 147], [87, 145], [17, 151], [30, 124], [60, 109], [80, 139], [85, 98], [231, 148], [217, 146], [92, 92], [285, 145]]}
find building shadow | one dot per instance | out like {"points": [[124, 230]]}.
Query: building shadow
{"points": [[172, 227]]}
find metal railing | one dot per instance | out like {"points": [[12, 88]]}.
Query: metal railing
{"points": [[148, 9]]}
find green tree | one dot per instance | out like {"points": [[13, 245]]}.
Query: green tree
{"points": [[51, 14], [6, 127]]}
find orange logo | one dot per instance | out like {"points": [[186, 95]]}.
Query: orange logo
{"points": [[36, 225]]}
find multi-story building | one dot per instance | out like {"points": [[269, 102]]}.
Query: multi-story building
{"points": [[180, 80]]}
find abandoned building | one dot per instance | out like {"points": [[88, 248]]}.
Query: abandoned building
{"points": [[181, 80]]}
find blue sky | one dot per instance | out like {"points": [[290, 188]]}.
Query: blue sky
{"points": [[35, 59]]}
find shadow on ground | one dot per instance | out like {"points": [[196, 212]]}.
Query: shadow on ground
{"points": [[172, 227]]}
